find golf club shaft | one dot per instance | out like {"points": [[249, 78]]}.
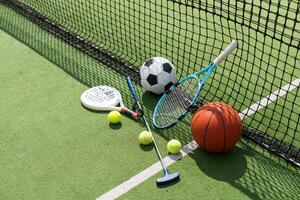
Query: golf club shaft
{"points": [[136, 99], [155, 145]]}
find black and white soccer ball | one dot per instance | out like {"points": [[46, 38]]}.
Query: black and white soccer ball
{"points": [[157, 75]]}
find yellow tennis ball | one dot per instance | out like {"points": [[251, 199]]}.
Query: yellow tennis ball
{"points": [[145, 137], [114, 117], [174, 146]]}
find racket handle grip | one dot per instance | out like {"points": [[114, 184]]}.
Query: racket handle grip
{"points": [[130, 113], [226, 52], [132, 90]]}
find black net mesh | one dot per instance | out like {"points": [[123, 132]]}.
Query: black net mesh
{"points": [[263, 73]]}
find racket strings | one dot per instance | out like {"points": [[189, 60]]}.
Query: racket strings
{"points": [[177, 102]]}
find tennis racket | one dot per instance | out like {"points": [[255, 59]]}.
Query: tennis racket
{"points": [[105, 98], [181, 98]]}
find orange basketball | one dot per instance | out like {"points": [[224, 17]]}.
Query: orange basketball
{"points": [[216, 127]]}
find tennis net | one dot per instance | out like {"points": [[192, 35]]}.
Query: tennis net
{"points": [[265, 71]]}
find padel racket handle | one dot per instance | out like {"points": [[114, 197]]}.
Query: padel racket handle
{"points": [[132, 90], [130, 113], [226, 52]]}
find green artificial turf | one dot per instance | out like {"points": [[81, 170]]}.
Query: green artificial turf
{"points": [[243, 173], [53, 148], [190, 37]]}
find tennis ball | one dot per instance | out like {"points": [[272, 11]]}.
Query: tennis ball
{"points": [[173, 146], [114, 117], [145, 137]]}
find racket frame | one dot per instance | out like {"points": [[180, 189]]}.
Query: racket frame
{"points": [[208, 70]]}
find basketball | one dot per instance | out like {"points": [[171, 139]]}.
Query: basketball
{"points": [[216, 127]]}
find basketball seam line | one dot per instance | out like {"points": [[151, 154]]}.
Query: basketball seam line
{"points": [[224, 133], [194, 121], [236, 121], [204, 146]]}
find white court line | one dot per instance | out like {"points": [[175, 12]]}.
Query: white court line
{"points": [[147, 173], [269, 99], [156, 167]]}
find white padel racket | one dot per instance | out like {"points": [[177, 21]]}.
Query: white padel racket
{"points": [[105, 98]]}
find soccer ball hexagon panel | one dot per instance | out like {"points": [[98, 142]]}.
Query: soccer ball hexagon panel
{"points": [[157, 75]]}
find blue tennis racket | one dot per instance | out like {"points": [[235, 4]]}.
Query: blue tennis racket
{"points": [[179, 100]]}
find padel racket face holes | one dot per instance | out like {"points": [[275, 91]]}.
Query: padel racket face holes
{"points": [[100, 96], [105, 98]]}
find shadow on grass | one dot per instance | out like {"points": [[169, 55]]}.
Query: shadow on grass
{"points": [[228, 166], [149, 100], [252, 171], [146, 147], [115, 126], [247, 168]]}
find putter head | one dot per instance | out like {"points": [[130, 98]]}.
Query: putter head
{"points": [[168, 179]]}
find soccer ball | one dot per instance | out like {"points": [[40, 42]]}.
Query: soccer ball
{"points": [[157, 75]]}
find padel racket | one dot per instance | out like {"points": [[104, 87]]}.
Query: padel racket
{"points": [[105, 98], [181, 98]]}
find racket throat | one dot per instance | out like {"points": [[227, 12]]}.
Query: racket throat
{"points": [[181, 117], [194, 107], [191, 108]]}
